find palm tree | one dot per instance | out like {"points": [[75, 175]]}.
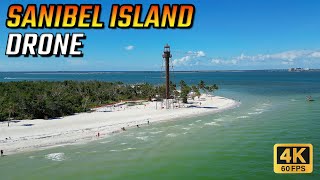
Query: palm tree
{"points": [[185, 89], [195, 91], [212, 88], [11, 110], [201, 85], [182, 84]]}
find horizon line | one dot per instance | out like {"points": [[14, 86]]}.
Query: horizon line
{"points": [[155, 70]]}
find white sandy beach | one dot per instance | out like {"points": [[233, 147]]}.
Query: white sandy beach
{"points": [[28, 135]]}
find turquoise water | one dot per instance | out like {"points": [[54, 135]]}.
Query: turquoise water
{"points": [[235, 144]]}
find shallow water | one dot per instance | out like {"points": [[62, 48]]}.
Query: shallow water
{"points": [[235, 144]]}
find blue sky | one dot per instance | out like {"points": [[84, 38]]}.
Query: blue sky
{"points": [[227, 34]]}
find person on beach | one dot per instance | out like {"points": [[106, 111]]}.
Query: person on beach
{"points": [[1, 152], [98, 134]]}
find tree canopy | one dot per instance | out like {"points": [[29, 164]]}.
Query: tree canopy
{"points": [[46, 99]]}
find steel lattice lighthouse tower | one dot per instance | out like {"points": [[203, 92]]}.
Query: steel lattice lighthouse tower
{"points": [[167, 55]]}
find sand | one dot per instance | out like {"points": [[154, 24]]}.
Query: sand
{"points": [[29, 135]]}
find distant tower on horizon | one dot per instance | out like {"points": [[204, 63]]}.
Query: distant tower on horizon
{"points": [[167, 55]]}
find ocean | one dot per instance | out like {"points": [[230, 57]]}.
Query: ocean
{"points": [[234, 144]]}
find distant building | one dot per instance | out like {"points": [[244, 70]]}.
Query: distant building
{"points": [[298, 69]]}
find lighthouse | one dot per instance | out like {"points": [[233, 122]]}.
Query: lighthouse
{"points": [[167, 55]]}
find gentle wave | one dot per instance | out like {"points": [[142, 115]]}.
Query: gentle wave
{"points": [[105, 142], [266, 104], [155, 132], [119, 150], [255, 113], [144, 138], [115, 150], [56, 156], [9, 78], [212, 124], [242, 117], [23, 78], [219, 120], [142, 133], [171, 135]]}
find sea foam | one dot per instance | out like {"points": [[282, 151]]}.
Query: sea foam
{"points": [[172, 135], [219, 120], [242, 117], [212, 124], [56, 156], [255, 113], [144, 138], [156, 132], [105, 142]]}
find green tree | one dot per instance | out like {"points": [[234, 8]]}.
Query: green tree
{"points": [[201, 85], [211, 89], [196, 92], [185, 90]]}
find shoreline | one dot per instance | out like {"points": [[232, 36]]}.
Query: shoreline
{"points": [[39, 134]]}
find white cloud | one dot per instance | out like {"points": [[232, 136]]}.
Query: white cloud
{"points": [[286, 55], [196, 53], [315, 54], [293, 57], [216, 61], [190, 59], [182, 61], [129, 48]]}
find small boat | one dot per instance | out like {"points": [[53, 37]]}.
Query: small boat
{"points": [[309, 98]]}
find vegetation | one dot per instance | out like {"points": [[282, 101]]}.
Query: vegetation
{"points": [[43, 99], [207, 89], [185, 90]]}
